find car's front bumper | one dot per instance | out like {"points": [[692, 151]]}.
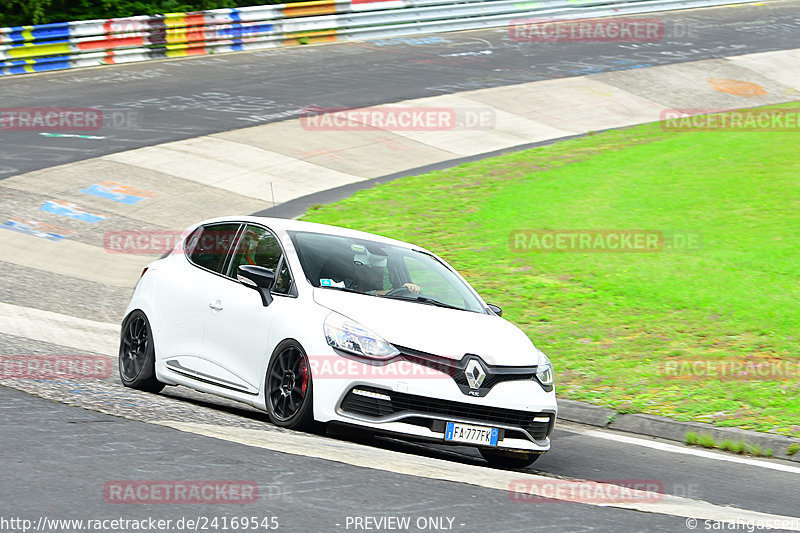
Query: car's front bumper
{"points": [[421, 405]]}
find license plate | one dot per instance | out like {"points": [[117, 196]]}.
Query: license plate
{"points": [[455, 432]]}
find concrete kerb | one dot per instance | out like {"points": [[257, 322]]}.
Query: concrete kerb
{"points": [[667, 428], [298, 206]]}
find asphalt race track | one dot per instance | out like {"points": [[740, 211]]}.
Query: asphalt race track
{"points": [[305, 494], [63, 444], [311, 494]]}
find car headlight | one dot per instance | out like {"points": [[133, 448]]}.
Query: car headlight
{"points": [[544, 373], [350, 336]]}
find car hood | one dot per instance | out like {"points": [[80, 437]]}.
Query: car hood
{"points": [[436, 330]]}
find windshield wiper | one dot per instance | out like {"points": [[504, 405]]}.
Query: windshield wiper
{"points": [[433, 301], [424, 300]]}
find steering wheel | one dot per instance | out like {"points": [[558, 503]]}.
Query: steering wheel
{"points": [[399, 290]]}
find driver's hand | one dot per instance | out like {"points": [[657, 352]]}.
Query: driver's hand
{"points": [[413, 289]]}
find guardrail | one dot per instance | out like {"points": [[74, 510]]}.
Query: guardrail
{"points": [[44, 47]]}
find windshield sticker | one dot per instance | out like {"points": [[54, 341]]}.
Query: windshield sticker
{"points": [[325, 282], [358, 248]]}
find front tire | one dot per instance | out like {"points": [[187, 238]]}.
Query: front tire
{"points": [[289, 388], [506, 459], [137, 354]]}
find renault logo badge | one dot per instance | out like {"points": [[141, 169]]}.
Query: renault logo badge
{"points": [[475, 374]]}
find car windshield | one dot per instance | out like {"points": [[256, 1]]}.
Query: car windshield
{"points": [[381, 270]]}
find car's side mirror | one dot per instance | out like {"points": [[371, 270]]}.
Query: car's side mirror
{"points": [[258, 278], [496, 310]]}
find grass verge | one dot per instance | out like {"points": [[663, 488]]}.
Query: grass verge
{"points": [[627, 330]]}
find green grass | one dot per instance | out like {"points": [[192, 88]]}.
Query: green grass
{"points": [[611, 322], [707, 441], [741, 447], [738, 447]]}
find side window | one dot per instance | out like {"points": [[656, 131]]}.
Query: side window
{"points": [[260, 247], [283, 284], [208, 246]]}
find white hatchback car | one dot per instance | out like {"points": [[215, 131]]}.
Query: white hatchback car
{"points": [[317, 324]]}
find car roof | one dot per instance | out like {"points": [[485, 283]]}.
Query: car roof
{"points": [[287, 224]]}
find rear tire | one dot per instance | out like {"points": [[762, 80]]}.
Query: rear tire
{"points": [[289, 390], [137, 354], [504, 459]]}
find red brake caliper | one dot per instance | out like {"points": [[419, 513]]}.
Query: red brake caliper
{"points": [[304, 376]]}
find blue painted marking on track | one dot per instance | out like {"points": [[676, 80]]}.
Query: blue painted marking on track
{"points": [[70, 210], [29, 228], [110, 193]]}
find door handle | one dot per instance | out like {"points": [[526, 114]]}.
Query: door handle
{"points": [[216, 306]]}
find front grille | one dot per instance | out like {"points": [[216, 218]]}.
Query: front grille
{"points": [[492, 379], [456, 370], [444, 409]]}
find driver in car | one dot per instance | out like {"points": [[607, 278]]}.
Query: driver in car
{"points": [[369, 275]]}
